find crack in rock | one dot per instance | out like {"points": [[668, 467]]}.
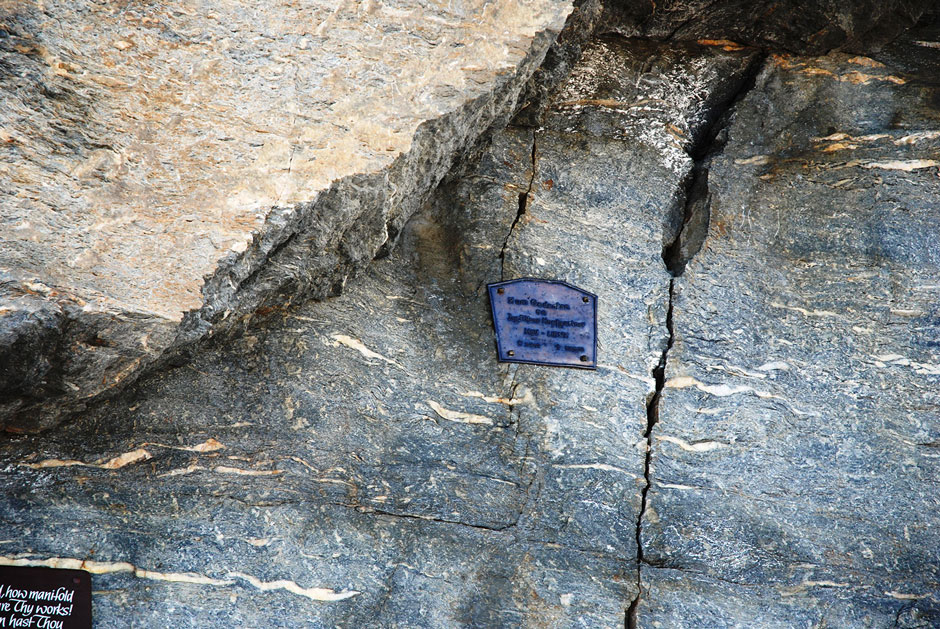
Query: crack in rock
{"points": [[676, 255]]}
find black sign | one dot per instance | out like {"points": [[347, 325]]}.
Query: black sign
{"points": [[44, 598], [544, 322]]}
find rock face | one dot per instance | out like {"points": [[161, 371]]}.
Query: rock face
{"points": [[168, 172], [794, 470], [757, 448], [365, 461]]}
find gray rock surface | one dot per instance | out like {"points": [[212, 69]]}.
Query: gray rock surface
{"points": [[758, 447], [168, 172], [795, 474], [365, 461]]}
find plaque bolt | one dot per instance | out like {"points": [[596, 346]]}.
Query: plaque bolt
{"points": [[500, 290], [510, 353], [585, 299], [583, 356]]}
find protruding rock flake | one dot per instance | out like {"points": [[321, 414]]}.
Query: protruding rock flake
{"points": [[169, 171]]}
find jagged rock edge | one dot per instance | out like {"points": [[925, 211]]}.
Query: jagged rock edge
{"points": [[270, 273]]}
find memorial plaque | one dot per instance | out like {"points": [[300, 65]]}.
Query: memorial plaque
{"points": [[544, 322], [45, 598]]}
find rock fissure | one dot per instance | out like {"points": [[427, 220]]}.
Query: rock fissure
{"points": [[652, 417], [676, 255], [710, 143], [524, 199]]}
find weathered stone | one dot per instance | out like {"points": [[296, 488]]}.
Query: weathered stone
{"points": [[787, 25], [794, 467], [366, 444], [169, 171], [757, 447], [372, 446]]}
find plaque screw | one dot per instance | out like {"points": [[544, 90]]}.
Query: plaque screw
{"points": [[500, 290], [510, 353], [585, 299], [584, 357]]}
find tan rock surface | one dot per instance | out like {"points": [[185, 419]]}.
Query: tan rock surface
{"points": [[151, 150]]}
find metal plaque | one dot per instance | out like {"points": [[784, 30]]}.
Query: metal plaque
{"points": [[45, 598], [544, 322]]}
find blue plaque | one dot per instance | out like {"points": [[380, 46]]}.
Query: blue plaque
{"points": [[544, 322]]}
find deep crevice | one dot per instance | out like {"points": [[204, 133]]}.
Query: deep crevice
{"points": [[709, 144]]}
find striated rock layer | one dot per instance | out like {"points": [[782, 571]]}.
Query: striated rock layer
{"points": [[167, 171], [795, 471], [758, 447]]}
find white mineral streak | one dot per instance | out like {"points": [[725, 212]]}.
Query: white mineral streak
{"points": [[931, 369], [804, 311], [724, 390], [756, 159], [901, 595], [907, 165], [720, 390], [128, 458], [648, 381], [182, 471], [910, 138], [224, 469], [122, 460], [209, 445], [458, 416], [527, 398], [357, 345], [604, 467], [735, 370], [109, 567], [698, 446], [313, 593]]}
